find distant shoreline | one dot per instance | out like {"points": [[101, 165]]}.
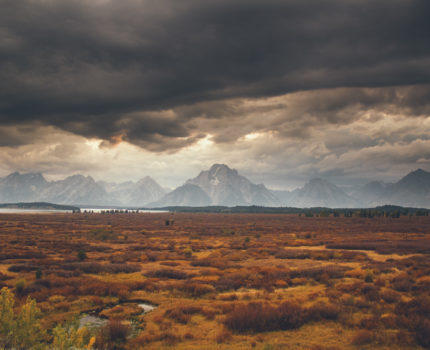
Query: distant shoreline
{"points": [[44, 207], [37, 206]]}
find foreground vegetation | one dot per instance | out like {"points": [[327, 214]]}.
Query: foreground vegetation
{"points": [[233, 281]]}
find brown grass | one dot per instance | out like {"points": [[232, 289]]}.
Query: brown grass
{"points": [[226, 281]]}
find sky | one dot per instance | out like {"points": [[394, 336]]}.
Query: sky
{"points": [[282, 91]]}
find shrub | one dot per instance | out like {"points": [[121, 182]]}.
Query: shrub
{"points": [[231, 281], [182, 314], [117, 330], [20, 287], [64, 306], [19, 330], [23, 268], [169, 263], [369, 322], [4, 277], [188, 336], [389, 296], [362, 337], [405, 338], [371, 292], [320, 273], [70, 336], [210, 313], [223, 336], [423, 332], [112, 335], [169, 338], [291, 315], [402, 283], [228, 297], [168, 273], [195, 289], [419, 306], [188, 252], [368, 277], [414, 315], [388, 321], [82, 255], [210, 262], [92, 267], [102, 234], [257, 317], [22, 255], [292, 254], [321, 311]]}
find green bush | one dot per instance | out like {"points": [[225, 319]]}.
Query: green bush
{"points": [[82, 255], [19, 330], [20, 287]]}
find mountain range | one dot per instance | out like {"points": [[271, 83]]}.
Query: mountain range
{"points": [[78, 190], [220, 186]]}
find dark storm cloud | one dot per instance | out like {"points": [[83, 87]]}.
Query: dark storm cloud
{"points": [[297, 115], [106, 68]]}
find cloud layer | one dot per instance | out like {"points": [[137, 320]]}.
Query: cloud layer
{"points": [[298, 87]]}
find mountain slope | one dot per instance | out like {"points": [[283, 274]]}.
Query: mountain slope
{"points": [[145, 191], [219, 186], [368, 193], [283, 196], [413, 190], [137, 194], [226, 187], [18, 187], [321, 193], [185, 195], [76, 189]]}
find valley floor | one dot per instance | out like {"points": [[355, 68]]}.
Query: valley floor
{"points": [[218, 281]]}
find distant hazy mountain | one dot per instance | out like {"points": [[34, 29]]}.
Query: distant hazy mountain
{"points": [[111, 187], [219, 185], [283, 196], [145, 191], [413, 190], [226, 187], [18, 187], [185, 195], [321, 193], [76, 189], [138, 194], [368, 193]]}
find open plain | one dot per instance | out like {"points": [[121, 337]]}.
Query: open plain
{"points": [[218, 281]]}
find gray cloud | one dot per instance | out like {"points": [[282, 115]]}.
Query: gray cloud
{"points": [[163, 74]]}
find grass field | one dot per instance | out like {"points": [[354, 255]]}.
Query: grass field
{"points": [[221, 281]]}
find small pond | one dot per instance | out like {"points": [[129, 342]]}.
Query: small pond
{"points": [[92, 318]]}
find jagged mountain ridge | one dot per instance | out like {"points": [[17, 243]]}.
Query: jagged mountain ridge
{"points": [[77, 190], [368, 193], [185, 195], [18, 187], [144, 191], [226, 187], [321, 193], [219, 185], [412, 190]]}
